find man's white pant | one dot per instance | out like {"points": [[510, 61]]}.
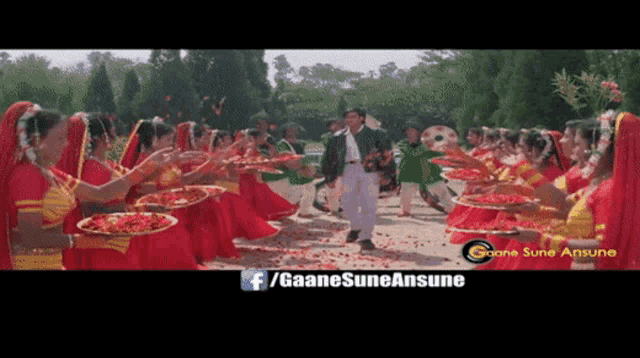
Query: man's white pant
{"points": [[359, 199], [439, 190], [334, 196], [280, 187], [302, 194]]}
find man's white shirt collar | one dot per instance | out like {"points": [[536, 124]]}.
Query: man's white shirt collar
{"points": [[348, 130]]}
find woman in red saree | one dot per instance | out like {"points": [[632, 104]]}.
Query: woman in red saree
{"points": [[622, 224], [269, 205], [574, 180], [93, 168], [465, 216], [475, 137], [39, 196], [172, 248], [215, 222]]}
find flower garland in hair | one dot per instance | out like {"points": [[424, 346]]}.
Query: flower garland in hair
{"points": [[214, 133], [25, 148], [485, 131], [503, 133], [192, 136], [104, 130], [156, 120], [547, 147], [89, 143], [605, 139], [524, 133]]}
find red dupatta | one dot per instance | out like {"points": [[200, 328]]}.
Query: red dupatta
{"points": [[623, 226], [478, 152], [130, 153], [185, 142], [562, 161], [73, 154], [71, 163], [8, 161], [184, 137]]}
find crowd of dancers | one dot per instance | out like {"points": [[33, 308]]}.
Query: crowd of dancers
{"points": [[56, 172], [585, 181]]}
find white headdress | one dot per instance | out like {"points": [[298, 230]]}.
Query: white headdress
{"points": [[605, 139], [25, 147]]}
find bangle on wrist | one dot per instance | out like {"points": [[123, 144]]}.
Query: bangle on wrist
{"points": [[72, 241]]}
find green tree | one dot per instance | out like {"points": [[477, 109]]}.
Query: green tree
{"points": [[524, 86], [99, 97], [342, 107], [29, 78], [169, 93], [388, 70], [629, 82], [283, 70], [131, 89]]}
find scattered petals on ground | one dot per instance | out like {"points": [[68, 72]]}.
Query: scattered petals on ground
{"points": [[418, 242]]}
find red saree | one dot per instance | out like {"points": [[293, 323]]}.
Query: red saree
{"points": [[170, 249], [464, 215], [517, 262], [623, 226], [268, 204], [572, 181], [93, 172], [215, 222]]}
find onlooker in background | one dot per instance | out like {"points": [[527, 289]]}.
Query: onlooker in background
{"points": [[415, 169], [298, 186]]}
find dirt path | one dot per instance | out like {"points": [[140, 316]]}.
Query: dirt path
{"points": [[410, 243]]}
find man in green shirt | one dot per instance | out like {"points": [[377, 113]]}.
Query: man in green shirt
{"points": [[415, 170], [351, 154], [297, 184]]}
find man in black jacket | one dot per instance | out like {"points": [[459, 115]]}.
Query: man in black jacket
{"points": [[357, 155]]}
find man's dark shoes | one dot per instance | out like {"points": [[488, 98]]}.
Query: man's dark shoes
{"points": [[353, 235], [367, 245]]}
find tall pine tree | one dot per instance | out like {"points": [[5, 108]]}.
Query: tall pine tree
{"points": [[169, 93], [130, 90], [99, 97]]}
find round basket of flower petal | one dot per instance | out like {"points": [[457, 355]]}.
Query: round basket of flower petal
{"points": [[127, 224], [468, 175], [174, 198], [494, 201]]}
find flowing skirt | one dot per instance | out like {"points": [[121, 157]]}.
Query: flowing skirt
{"points": [[216, 222], [171, 249], [269, 205], [466, 216]]}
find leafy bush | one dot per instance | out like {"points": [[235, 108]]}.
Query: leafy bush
{"points": [[117, 148]]}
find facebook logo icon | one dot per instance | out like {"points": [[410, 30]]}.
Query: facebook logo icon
{"points": [[253, 280]]}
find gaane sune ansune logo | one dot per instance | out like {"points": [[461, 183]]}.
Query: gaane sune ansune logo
{"points": [[478, 251]]}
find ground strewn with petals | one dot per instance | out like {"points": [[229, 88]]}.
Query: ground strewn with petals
{"points": [[408, 243]]}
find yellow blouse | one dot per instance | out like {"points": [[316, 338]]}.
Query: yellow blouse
{"points": [[56, 204], [504, 175], [580, 224]]}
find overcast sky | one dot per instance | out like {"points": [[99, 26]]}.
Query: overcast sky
{"points": [[350, 60]]}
